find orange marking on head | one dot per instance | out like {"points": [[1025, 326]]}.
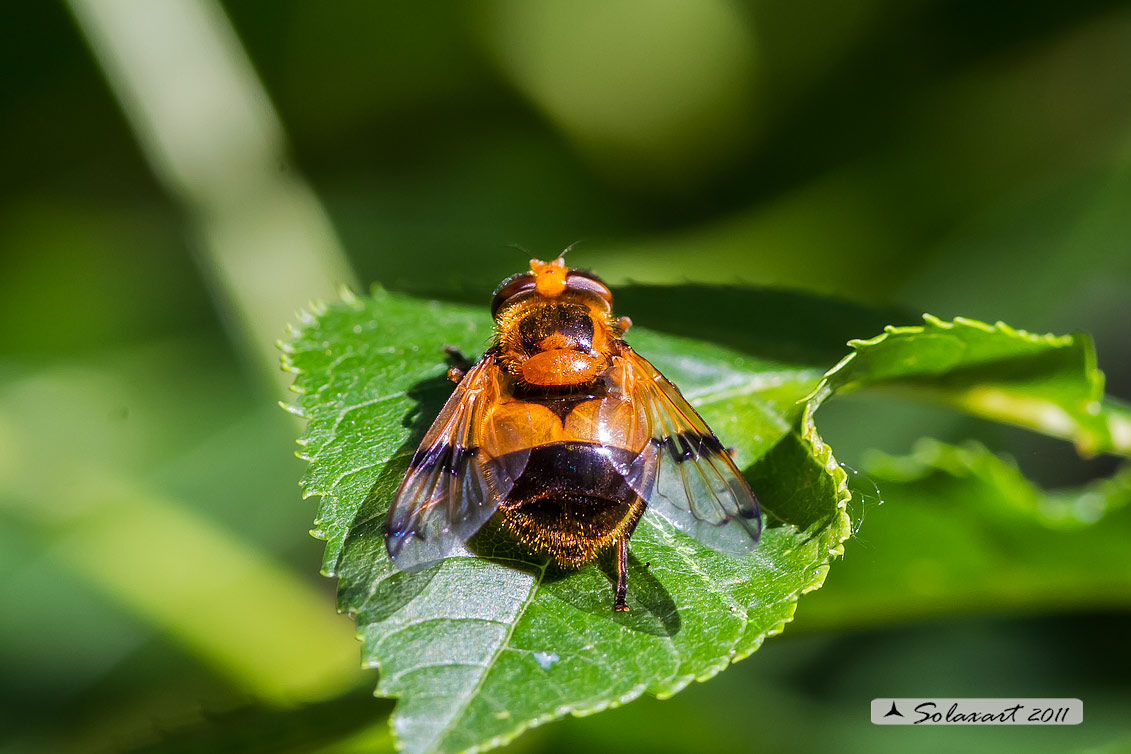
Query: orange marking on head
{"points": [[549, 277], [557, 340]]}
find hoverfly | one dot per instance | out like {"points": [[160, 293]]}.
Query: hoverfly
{"points": [[565, 434]]}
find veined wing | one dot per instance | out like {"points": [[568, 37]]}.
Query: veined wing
{"points": [[684, 473], [449, 490]]}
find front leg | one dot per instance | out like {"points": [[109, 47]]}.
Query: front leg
{"points": [[458, 364]]}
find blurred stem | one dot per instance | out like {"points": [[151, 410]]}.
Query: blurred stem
{"points": [[83, 486], [214, 596], [212, 137]]}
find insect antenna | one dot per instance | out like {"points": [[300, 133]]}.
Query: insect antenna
{"points": [[569, 248], [525, 251]]}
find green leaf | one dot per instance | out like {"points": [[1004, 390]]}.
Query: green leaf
{"points": [[1049, 383], [478, 651], [961, 529]]}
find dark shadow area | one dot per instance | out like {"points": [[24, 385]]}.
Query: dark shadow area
{"points": [[1002, 369], [589, 588], [766, 322], [1082, 651], [651, 609], [493, 543], [771, 323], [253, 729], [786, 496]]}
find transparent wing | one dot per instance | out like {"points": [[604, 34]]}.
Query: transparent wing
{"points": [[684, 472], [450, 488]]}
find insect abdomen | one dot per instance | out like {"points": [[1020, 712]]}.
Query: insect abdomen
{"points": [[570, 502]]}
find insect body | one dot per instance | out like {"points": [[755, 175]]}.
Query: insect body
{"points": [[566, 435]]}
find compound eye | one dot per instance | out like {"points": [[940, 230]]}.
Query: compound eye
{"points": [[512, 286], [583, 280]]}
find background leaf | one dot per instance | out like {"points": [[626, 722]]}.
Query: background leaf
{"points": [[961, 529], [1049, 383]]}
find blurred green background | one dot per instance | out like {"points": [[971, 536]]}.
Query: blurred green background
{"points": [[178, 178]]}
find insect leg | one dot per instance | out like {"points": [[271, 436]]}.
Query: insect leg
{"points": [[457, 358], [622, 575], [458, 364]]}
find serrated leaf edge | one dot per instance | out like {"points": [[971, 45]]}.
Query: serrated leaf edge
{"points": [[1093, 375], [306, 317]]}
